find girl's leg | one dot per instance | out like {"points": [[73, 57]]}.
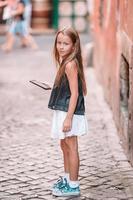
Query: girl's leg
{"points": [[65, 155], [69, 147], [73, 157], [62, 181]]}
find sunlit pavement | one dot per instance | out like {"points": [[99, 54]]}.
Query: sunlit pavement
{"points": [[30, 161]]}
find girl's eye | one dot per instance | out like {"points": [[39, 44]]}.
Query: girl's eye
{"points": [[59, 42], [66, 43]]}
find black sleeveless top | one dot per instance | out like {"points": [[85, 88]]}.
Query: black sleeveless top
{"points": [[60, 97]]}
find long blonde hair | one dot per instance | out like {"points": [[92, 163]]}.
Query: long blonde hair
{"points": [[75, 55]]}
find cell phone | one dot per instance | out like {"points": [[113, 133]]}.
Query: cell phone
{"points": [[42, 85]]}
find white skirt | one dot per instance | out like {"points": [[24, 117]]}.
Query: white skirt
{"points": [[79, 125]]}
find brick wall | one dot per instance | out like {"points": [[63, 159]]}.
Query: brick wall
{"points": [[112, 28]]}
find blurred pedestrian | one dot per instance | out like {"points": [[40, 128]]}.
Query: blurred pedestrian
{"points": [[16, 25], [67, 101]]}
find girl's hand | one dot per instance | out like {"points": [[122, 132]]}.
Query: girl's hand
{"points": [[67, 124]]}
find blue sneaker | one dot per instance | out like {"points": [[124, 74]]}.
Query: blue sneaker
{"points": [[66, 190], [61, 182]]}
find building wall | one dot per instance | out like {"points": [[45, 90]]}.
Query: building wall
{"points": [[112, 28]]}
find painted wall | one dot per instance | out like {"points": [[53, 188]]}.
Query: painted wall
{"points": [[112, 28]]}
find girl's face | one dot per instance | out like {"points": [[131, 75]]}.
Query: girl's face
{"points": [[64, 45]]}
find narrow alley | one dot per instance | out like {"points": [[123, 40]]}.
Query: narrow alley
{"points": [[30, 161]]}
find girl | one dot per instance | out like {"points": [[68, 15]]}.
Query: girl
{"points": [[67, 101]]}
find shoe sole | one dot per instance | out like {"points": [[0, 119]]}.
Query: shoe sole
{"points": [[65, 195]]}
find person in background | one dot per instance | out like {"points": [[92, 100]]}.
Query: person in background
{"points": [[16, 25]]}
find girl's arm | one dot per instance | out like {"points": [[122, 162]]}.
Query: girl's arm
{"points": [[72, 75]]}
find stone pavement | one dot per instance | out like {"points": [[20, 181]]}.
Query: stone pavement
{"points": [[29, 160]]}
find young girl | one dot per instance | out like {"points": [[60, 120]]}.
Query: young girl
{"points": [[67, 101]]}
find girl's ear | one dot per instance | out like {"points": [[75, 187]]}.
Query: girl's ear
{"points": [[74, 46]]}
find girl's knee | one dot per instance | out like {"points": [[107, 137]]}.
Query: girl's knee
{"points": [[72, 143], [63, 145]]}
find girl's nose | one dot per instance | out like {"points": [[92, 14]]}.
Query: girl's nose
{"points": [[62, 46]]}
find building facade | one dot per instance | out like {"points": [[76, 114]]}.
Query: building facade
{"points": [[112, 28]]}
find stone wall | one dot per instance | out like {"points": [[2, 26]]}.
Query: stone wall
{"points": [[112, 28]]}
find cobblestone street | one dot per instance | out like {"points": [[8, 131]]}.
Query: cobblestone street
{"points": [[30, 161]]}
